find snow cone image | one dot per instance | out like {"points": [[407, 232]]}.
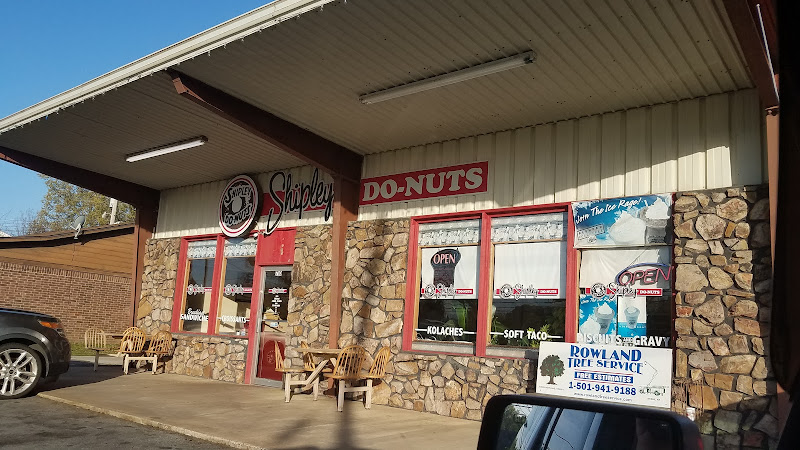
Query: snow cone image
{"points": [[604, 315], [632, 316], [655, 218], [627, 230]]}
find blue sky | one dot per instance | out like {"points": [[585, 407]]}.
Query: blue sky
{"points": [[47, 47]]}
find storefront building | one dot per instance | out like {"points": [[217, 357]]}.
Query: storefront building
{"points": [[464, 287], [641, 219]]}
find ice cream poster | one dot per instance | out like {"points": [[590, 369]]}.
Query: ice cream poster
{"points": [[627, 221], [597, 316], [449, 272], [632, 317]]}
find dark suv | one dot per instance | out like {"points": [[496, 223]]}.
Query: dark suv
{"points": [[32, 346]]}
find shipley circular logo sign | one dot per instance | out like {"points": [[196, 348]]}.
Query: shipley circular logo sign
{"points": [[238, 206]]}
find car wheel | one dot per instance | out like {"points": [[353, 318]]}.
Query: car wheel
{"points": [[21, 369]]}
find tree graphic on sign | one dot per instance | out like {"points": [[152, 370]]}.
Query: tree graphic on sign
{"points": [[552, 367]]}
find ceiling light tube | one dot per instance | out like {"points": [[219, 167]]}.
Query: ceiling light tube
{"points": [[445, 79], [169, 148]]}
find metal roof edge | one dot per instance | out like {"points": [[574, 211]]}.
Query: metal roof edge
{"points": [[121, 228], [205, 41]]}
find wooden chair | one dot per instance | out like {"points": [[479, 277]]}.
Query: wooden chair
{"points": [[376, 372], [160, 345], [287, 372], [348, 370], [95, 339], [131, 346], [310, 366]]}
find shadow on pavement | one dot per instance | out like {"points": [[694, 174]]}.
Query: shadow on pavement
{"points": [[80, 373]]}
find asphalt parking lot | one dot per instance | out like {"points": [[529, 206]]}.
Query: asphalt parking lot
{"points": [[35, 423]]}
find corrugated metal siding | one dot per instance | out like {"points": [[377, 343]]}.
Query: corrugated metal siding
{"points": [[192, 210], [701, 143]]}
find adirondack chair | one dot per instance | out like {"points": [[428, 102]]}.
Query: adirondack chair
{"points": [[160, 346], [348, 370], [287, 372], [95, 339], [131, 346], [376, 372]]}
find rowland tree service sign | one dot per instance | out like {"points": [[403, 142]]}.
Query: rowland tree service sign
{"points": [[462, 179], [632, 375], [239, 206]]}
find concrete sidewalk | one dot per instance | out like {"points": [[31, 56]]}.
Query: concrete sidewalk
{"points": [[252, 416]]}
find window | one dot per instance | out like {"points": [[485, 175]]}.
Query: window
{"points": [[198, 290], [217, 278], [490, 283], [448, 297], [626, 296], [528, 302], [233, 313]]}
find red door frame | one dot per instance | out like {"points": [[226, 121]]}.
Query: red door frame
{"points": [[272, 250]]}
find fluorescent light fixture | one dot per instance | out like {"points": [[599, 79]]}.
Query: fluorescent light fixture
{"points": [[169, 148], [445, 79]]}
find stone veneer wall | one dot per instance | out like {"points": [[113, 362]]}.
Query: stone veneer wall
{"points": [[372, 316], [723, 284], [309, 311], [218, 358], [215, 357], [158, 285]]}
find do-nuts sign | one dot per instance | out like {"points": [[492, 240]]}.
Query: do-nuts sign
{"points": [[238, 206], [462, 179]]}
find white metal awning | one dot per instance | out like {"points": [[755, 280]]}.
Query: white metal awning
{"points": [[309, 61]]}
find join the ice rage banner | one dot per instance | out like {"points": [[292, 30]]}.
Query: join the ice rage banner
{"points": [[627, 221]]}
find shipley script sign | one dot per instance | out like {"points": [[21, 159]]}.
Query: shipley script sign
{"points": [[462, 179], [240, 204]]}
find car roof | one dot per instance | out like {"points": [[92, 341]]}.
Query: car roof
{"points": [[24, 312]]}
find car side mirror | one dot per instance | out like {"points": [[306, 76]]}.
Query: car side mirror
{"points": [[539, 421]]}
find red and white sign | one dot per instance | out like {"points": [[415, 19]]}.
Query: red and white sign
{"points": [[547, 292], [238, 206], [462, 179], [518, 291], [649, 292]]}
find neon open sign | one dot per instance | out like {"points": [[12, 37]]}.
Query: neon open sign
{"points": [[644, 273]]}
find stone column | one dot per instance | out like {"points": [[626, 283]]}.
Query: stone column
{"points": [[723, 285]]}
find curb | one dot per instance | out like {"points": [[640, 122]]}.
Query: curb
{"points": [[153, 423]]}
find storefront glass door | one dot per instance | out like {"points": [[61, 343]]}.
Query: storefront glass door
{"points": [[272, 326]]}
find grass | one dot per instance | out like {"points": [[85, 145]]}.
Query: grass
{"points": [[78, 349]]}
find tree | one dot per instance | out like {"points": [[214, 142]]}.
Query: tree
{"points": [[552, 367], [63, 202], [17, 225]]}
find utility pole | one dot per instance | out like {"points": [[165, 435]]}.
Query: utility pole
{"points": [[113, 205]]}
